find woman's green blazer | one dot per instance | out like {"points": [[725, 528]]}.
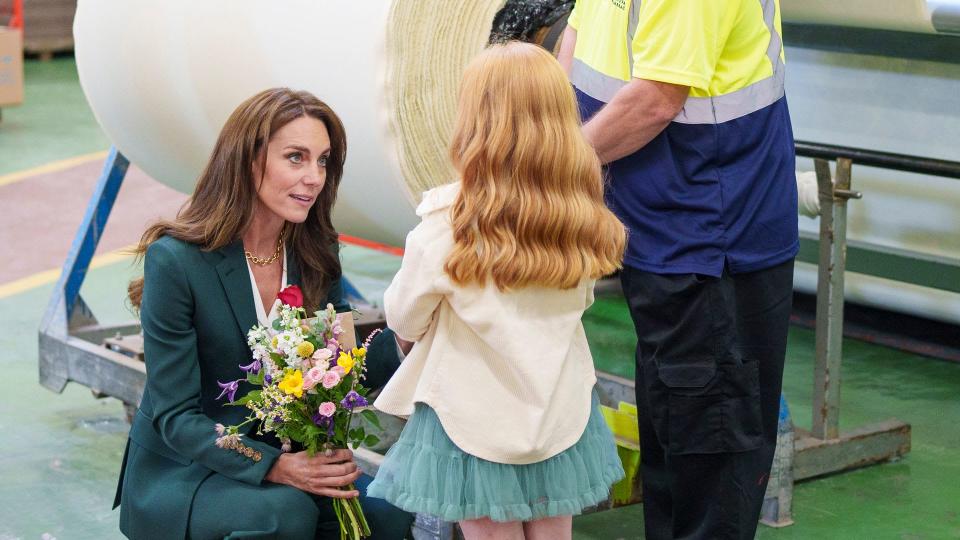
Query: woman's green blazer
{"points": [[196, 310]]}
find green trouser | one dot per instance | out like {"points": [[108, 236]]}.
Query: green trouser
{"points": [[225, 508]]}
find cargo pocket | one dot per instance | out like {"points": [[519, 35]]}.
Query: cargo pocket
{"points": [[743, 426], [693, 411], [743, 418], [708, 411]]}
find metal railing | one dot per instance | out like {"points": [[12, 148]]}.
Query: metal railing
{"points": [[898, 264], [883, 160], [825, 449]]}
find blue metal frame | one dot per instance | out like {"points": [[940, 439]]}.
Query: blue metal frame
{"points": [[351, 292], [91, 228]]}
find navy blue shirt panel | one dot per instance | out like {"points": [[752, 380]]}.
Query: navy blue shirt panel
{"points": [[701, 197]]}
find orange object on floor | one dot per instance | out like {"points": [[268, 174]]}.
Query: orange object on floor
{"points": [[16, 20], [370, 244]]}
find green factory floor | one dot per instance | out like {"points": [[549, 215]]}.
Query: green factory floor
{"points": [[60, 454], [54, 123]]}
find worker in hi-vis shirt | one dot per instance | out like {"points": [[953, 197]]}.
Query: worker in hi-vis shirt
{"points": [[684, 102]]}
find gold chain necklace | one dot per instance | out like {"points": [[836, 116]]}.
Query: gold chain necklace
{"points": [[263, 262]]}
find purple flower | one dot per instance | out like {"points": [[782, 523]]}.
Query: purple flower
{"points": [[267, 379], [324, 422], [228, 389], [252, 367], [353, 400]]}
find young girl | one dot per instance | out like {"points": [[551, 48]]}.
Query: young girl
{"points": [[505, 435]]}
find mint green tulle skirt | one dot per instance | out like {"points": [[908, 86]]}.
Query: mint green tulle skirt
{"points": [[425, 472]]}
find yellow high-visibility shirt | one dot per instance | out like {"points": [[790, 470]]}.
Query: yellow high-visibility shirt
{"points": [[717, 188], [713, 46]]}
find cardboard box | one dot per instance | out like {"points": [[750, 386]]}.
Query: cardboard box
{"points": [[11, 66]]}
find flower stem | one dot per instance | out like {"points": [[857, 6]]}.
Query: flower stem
{"points": [[353, 524], [337, 509], [364, 525], [354, 530]]}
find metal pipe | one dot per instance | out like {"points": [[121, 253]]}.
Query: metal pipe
{"points": [[883, 160], [832, 268]]}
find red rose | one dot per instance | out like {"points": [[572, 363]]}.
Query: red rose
{"points": [[291, 296]]}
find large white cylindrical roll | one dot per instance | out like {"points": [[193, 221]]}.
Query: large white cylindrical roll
{"points": [[922, 16], [162, 77]]}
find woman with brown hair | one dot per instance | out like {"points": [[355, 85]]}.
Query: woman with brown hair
{"points": [[258, 221]]}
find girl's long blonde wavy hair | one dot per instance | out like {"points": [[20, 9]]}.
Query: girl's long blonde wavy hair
{"points": [[531, 209]]}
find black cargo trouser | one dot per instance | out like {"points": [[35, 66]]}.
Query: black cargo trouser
{"points": [[710, 354]]}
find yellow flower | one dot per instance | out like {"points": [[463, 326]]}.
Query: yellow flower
{"points": [[346, 362], [292, 383], [359, 353], [274, 342], [305, 349]]}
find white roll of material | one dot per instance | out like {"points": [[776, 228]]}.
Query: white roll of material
{"points": [[921, 16], [162, 77]]}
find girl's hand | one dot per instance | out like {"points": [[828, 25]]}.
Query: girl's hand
{"points": [[320, 474], [404, 345]]}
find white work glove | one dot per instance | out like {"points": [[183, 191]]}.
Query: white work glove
{"points": [[808, 194]]}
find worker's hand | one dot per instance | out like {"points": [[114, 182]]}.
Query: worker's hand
{"points": [[808, 194], [320, 474]]}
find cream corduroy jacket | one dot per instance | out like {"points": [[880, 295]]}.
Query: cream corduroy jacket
{"points": [[509, 374]]}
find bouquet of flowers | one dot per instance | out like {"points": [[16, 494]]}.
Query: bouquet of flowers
{"points": [[307, 389]]}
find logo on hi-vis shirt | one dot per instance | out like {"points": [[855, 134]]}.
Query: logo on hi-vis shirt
{"points": [[622, 4]]}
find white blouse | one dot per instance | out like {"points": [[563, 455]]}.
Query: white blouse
{"points": [[509, 374], [263, 317]]}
